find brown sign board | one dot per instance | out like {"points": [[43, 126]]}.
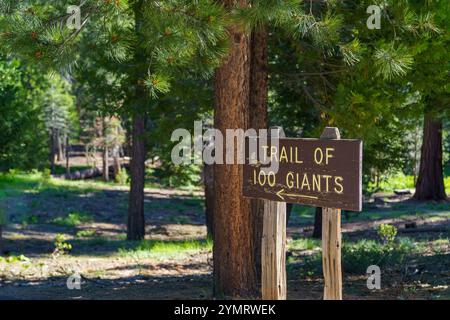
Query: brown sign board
{"points": [[316, 172]]}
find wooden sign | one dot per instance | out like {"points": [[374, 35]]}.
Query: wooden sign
{"points": [[316, 172]]}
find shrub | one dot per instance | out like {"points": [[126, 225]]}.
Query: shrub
{"points": [[387, 233], [356, 257], [61, 247], [122, 177]]}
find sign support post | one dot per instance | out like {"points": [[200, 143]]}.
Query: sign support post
{"points": [[273, 252], [273, 260], [331, 241], [324, 173]]}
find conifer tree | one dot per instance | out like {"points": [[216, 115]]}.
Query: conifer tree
{"points": [[150, 42]]}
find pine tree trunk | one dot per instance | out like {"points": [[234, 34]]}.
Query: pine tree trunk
{"points": [[317, 232], [430, 183], [67, 156], [258, 120], [105, 164], [234, 261], [59, 147], [52, 150], [105, 160], [136, 221], [116, 161], [208, 182]]}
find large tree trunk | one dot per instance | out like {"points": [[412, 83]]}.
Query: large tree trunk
{"points": [[208, 182], [258, 120], [136, 221], [234, 258], [430, 183]]}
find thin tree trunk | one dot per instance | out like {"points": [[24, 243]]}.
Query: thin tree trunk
{"points": [[258, 120], [1, 239], [67, 156], [116, 161], [59, 147], [317, 232], [430, 183], [105, 164], [234, 258], [136, 221], [208, 182], [105, 158], [52, 151]]}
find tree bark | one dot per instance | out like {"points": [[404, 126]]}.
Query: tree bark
{"points": [[52, 150], [317, 232], [67, 156], [136, 221], [234, 257], [139, 101], [105, 160], [258, 120], [430, 183], [116, 161], [105, 164]]}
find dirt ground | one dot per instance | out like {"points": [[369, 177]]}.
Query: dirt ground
{"points": [[173, 215]]}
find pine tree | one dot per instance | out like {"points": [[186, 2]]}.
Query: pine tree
{"points": [[150, 42]]}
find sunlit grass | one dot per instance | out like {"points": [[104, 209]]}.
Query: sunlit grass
{"points": [[160, 250], [402, 181], [304, 244], [73, 219]]}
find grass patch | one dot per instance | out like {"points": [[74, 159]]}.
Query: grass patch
{"points": [[304, 244], [357, 256], [85, 234], [73, 219], [400, 181], [159, 250]]}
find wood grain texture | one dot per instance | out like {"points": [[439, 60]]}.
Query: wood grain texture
{"points": [[274, 251], [331, 241]]}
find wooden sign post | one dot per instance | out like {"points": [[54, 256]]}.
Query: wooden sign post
{"points": [[331, 241], [273, 251], [323, 172]]}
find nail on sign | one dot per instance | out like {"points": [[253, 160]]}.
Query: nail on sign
{"points": [[320, 173]]}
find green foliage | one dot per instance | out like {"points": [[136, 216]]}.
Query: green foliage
{"points": [[61, 246], [387, 233], [304, 244], [122, 177], [3, 218], [85, 234], [15, 258], [356, 257], [73, 219], [23, 141]]}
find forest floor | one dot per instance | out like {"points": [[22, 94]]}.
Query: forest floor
{"points": [[175, 259]]}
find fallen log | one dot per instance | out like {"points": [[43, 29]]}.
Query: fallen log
{"points": [[84, 174]]}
